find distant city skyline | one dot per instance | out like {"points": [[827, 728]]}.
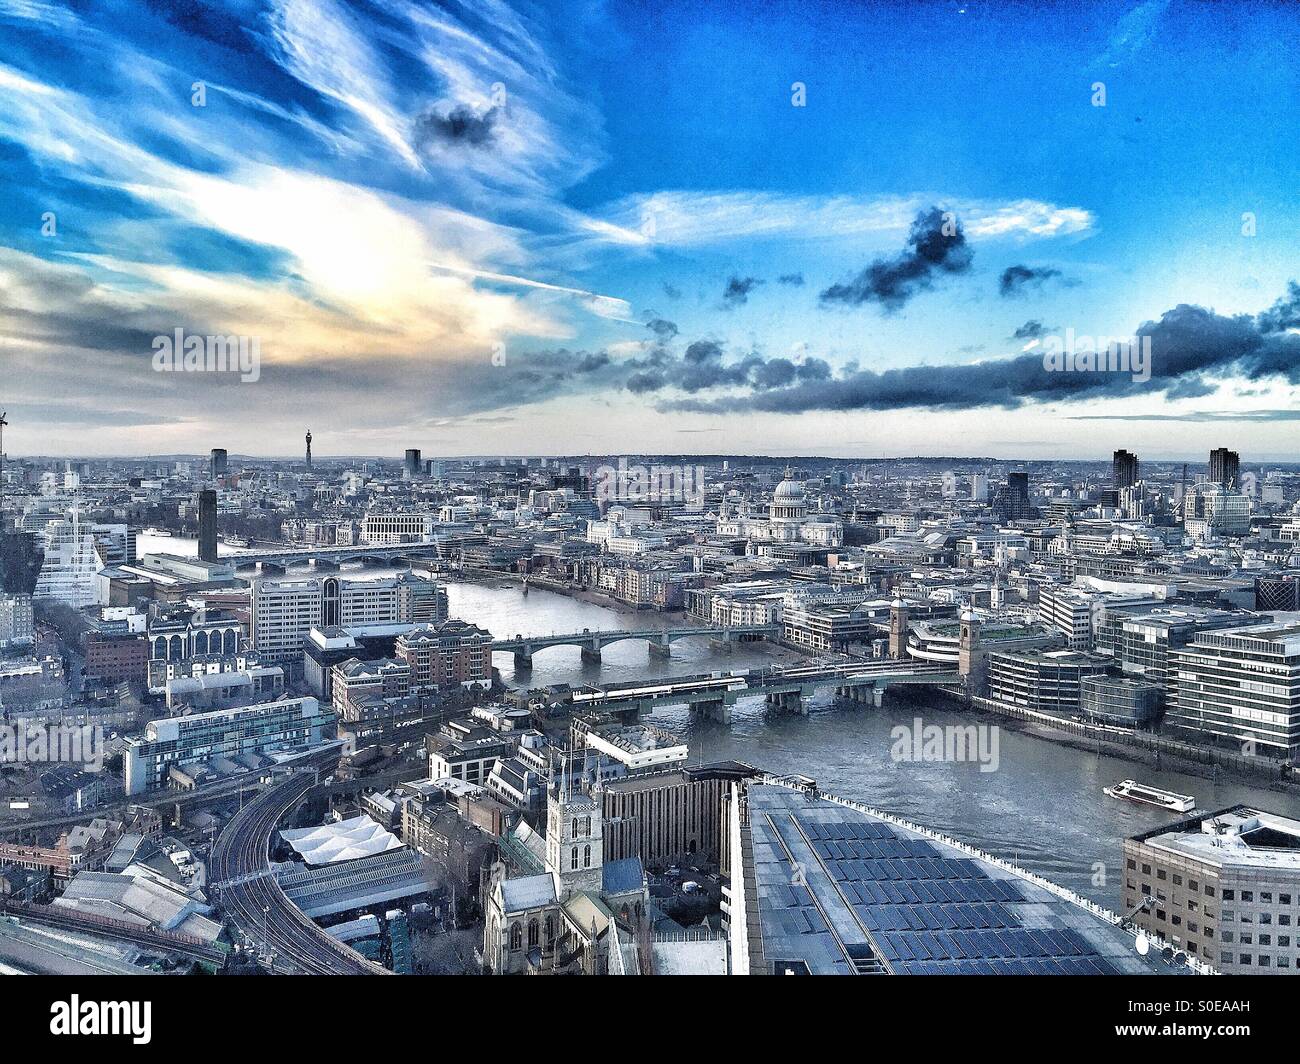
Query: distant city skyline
{"points": [[555, 456], [864, 232]]}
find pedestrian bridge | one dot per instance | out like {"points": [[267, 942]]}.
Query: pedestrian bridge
{"points": [[282, 557], [658, 639]]}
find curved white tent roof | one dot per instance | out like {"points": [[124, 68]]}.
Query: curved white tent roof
{"points": [[345, 841]]}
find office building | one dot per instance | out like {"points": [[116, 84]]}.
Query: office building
{"points": [[1078, 614], [1225, 467], [816, 624], [17, 628], [1277, 592], [1142, 643], [640, 748], [453, 653], [175, 742], [1124, 470], [326, 647], [1241, 688], [353, 681], [1011, 501], [1070, 611], [71, 564], [1044, 681], [1223, 887], [465, 752], [397, 528], [207, 525], [412, 465], [220, 462], [285, 611], [1120, 700], [666, 818], [1219, 510], [117, 657]]}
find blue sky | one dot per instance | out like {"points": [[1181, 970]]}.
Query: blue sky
{"points": [[487, 227]]}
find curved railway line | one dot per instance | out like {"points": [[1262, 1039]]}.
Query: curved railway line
{"points": [[240, 870]]}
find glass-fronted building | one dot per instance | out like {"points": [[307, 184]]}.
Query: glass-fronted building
{"points": [[223, 733]]}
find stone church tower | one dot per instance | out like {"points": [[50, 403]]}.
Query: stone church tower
{"points": [[574, 843]]}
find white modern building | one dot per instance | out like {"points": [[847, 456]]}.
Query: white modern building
{"points": [[397, 528], [224, 733], [1240, 687], [71, 564], [285, 611]]}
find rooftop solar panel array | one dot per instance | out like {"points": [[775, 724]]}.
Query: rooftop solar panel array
{"points": [[922, 910]]}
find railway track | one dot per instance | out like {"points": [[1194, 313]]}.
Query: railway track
{"points": [[252, 899]]}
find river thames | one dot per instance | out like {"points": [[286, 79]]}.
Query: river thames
{"points": [[1043, 807]]}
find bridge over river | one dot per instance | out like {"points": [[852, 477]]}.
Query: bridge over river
{"points": [[659, 640], [784, 689]]}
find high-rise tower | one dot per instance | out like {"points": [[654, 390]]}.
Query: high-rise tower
{"points": [[208, 525], [1225, 467], [309, 450], [1124, 469]]}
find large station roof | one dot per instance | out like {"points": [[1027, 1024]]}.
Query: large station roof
{"points": [[344, 841]]}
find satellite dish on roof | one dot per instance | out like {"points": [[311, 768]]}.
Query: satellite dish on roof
{"points": [[1143, 944]]}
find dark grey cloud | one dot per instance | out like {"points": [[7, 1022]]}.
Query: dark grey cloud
{"points": [[639, 383], [91, 414], [795, 280], [702, 351], [671, 291], [1284, 314], [664, 329], [779, 372], [1031, 330], [1192, 349], [936, 245], [1015, 279], [737, 291], [462, 125], [1198, 416], [704, 365]]}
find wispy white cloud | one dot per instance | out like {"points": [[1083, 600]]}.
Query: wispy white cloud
{"points": [[684, 219], [1132, 32], [357, 258]]}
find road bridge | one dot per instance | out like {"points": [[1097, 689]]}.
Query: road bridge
{"points": [[659, 640]]}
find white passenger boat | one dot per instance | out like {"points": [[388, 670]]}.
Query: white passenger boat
{"points": [[1136, 792]]}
